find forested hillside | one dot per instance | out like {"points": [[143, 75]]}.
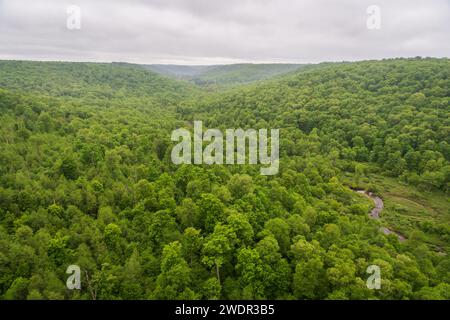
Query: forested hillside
{"points": [[86, 179], [91, 81], [393, 113]]}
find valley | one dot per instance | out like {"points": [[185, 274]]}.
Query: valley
{"points": [[87, 179]]}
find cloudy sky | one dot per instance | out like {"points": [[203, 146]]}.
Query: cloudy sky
{"points": [[223, 31]]}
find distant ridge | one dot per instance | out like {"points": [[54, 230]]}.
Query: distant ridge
{"points": [[223, 75]]}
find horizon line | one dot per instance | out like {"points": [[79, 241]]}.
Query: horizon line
{"points": [[186, 63]]}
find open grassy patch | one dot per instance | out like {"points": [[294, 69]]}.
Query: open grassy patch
{"points": [[416, 213]]}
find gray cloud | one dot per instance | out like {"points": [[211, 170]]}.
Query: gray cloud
{"points": [[211, 31]]}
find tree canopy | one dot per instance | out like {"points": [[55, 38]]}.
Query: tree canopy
{"points": [[86, 179]]}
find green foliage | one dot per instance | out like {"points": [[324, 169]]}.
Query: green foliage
{"points": [[86, 179]]}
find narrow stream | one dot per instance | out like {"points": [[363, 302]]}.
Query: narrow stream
{"points": [[375, 213]]}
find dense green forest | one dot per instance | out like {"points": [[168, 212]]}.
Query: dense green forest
{"points": [[86, 179]]}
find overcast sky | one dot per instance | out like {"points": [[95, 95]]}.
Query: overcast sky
{"points": [[223, 31]]}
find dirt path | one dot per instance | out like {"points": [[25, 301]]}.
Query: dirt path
{"points": [[375, 213]]}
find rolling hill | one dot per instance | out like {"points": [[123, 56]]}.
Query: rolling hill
{"points": [[87, 179]]}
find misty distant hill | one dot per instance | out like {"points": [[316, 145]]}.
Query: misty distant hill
{"points": [[179, 71], [223, 75]]}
